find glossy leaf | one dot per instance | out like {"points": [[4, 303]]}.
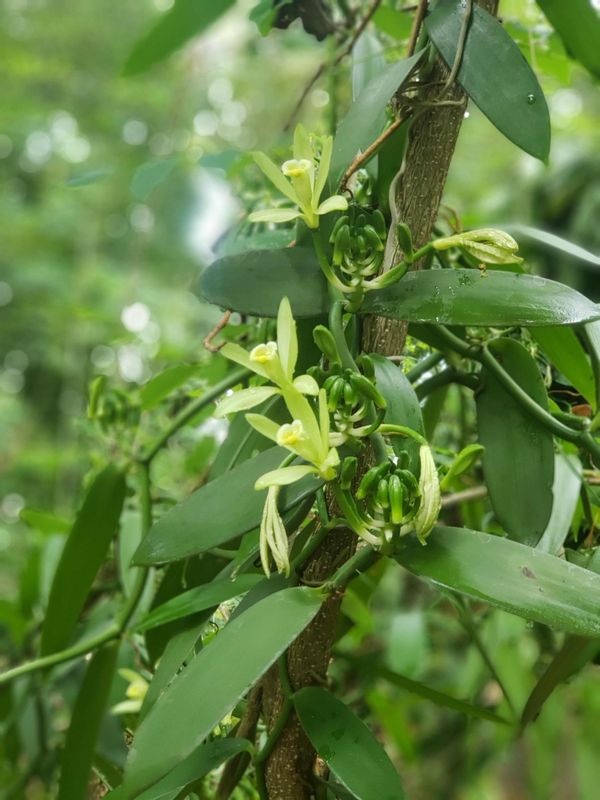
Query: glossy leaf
{"points": [[466, 297], [495, 75], [509, 576], [566, 353], [186, 18], [254, 282], [578, 25], [518, 460], [180, 649], [366, 117], [565, 491], [214, 682], [203, 760], [84, 552], [76, 764], [208, 518], [198, 599], [347, 746]]}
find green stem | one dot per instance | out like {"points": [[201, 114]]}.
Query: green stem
{"points": [[70, 653], [403, 430], [359, 562], [191, 410], [423, 366], [481, 354], [443, 378]]}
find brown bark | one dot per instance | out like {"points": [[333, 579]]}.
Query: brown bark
{"points": [[431, 145]]}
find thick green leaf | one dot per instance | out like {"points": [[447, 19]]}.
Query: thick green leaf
{"points": [[214, 682], [578, 25], [180, 648], [347, 746], [203, 760], [219, 511], [44, 522], [566, 488], [518, 461], [495, 75], [187, 18], [364, 121], [368, 62], [553, 242], [508, 575], [395, 23], [198, 599], [466, 297], [254, 282], [566, 353], [84, 552], [76, 763]]}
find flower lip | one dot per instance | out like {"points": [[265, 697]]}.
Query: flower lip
{"points": [[263, 353], [291, 433], [294, 168]]}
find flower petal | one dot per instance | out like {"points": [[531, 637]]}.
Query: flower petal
{"points": [[302, 146], [236, 353], [334, 203], [284, 476], [274, 215], [244, 399], [306, 385], [323, 170], [263, 425], [275, 175], [287, 340]]}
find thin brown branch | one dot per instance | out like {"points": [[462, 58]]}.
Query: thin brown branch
{"points": [[337, 60], [208, 341], [370, 151]]}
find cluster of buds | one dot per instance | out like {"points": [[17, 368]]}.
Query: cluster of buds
{"points": [[358, 240], [349, 398], [390, 502]]}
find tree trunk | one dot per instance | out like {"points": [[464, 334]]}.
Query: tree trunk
{"points": [[432, 140]]}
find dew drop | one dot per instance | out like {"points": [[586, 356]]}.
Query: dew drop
{"points": [[531, 99]]}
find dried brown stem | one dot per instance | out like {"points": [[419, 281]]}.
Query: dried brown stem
{"points": [[208, 341]]}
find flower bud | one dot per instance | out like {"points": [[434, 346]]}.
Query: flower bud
{"points": [[429, 486], [487, 244]]}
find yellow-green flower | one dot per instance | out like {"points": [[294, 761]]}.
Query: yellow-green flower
{"points": [[135, 693], [301, 182]]}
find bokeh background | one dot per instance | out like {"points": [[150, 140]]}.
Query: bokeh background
{"points": [[116, 191]]}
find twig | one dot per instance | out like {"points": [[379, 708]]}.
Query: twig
{"points": [[416, 27], [337, 60], [370, 151], [474, 493], [215, 331]]}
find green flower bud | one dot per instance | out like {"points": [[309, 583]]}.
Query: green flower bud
{"points": [[487, 245]]}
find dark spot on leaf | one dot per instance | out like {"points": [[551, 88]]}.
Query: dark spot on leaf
{"points": [[527, 572]]}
